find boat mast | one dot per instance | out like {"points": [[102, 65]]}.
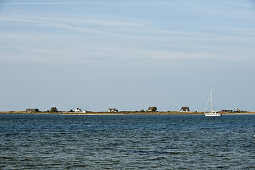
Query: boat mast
{"points": [[211, 99]]}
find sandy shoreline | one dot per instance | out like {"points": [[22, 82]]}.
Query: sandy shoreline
{"points": [[121, 113]]}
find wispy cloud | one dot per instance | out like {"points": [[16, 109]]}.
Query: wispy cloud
{"points": [[148, 33], [119, 37], [47, 3], [68, 24], [153, 44], [95, 2]]}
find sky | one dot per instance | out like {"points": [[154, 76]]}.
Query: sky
{"points": [[128, 54]]}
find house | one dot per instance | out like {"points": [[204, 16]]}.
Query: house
{"points": [[32, 110], [185, 109], [113, 110], [77, 110], [236, 110], [152, 109], [226, 111]]}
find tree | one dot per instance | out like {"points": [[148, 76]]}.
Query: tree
{"points": [[53, 109], [152, 109]]}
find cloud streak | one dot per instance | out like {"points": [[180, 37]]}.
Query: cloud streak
{"points": [[67, 24], [227, 34], [126, 3], [124, 37]]}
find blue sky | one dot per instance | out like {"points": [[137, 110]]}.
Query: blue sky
{"points": [[128, 54]]}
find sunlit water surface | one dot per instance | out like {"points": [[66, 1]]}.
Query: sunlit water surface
{"points": [[127, 142]]}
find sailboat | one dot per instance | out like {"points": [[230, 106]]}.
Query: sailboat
{"points": [[211, 113]]}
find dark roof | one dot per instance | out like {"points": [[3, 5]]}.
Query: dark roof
{"points": [[185, 109]]}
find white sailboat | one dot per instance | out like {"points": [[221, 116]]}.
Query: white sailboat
{"points": [[211, 113]]}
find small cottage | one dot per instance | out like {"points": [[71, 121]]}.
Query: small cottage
{"points": [[236, 110], [32, 110], [77, 110], [226, 111], [152, 109], [113, 110], [185, 109]]}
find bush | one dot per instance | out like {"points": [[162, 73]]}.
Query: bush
{"points": [[152, 109], [53, 109]]}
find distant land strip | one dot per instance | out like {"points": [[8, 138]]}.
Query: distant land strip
{"points": [[120, 113]]}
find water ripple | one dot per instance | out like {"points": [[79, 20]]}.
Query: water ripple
{"points": [[126, 142]]}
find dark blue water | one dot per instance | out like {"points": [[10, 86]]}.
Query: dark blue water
{"points": [[127, 142]]}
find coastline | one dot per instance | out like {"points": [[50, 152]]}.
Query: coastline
{"points": [[120, 113]]}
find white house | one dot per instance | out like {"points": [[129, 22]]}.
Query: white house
{"points": [[77, 110], [185, 109], [113, 110]]}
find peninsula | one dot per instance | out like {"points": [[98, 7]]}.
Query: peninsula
{"points": [[118, 113]]}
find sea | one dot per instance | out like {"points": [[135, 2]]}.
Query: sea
{"points": [[127, 142]]}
